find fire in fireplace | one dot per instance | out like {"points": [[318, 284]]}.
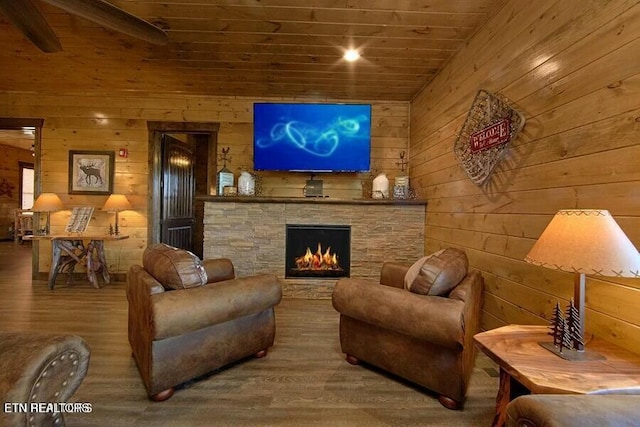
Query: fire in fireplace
{"points": [[330, 256], [318, 261]]}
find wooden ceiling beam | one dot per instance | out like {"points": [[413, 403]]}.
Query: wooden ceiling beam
{"points": [[110, 16], [25, 16]]}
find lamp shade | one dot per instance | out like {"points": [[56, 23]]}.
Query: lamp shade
{"points": [[587, 242], [47, 202], [116, 203]]}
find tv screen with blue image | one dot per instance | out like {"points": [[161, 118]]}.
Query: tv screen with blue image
{"points": [[312, 137]]}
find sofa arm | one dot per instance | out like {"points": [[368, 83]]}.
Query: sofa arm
{"points": [[40, 368], [182, 311], [565, 410], [392, 274], [141, 284], [429, 318], [218, 269]]}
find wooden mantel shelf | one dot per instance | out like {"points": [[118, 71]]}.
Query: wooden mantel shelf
{"points": [[310, 200]]}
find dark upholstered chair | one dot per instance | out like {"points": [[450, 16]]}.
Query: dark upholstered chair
{"points": [[39, 368], [187, 318], [424, 338]]}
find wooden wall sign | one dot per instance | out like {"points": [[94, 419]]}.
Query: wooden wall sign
{"points": [[490, 126]]}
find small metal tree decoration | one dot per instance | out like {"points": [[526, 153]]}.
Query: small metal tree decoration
{"points": [[565, 329], [556, 325], [574, 327], [559, 330], [566, 341]]}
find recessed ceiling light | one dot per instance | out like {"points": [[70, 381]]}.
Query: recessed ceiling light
{"points": [[351, 55]]}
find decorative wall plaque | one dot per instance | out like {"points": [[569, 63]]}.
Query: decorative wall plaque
{"points": [[485, 136], [6, 188], [79, 220]]}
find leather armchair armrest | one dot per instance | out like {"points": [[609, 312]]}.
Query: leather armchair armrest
{"points": [[392, 274], [555, 410], [218, 269], [40, 367], [141, 284], [181, 311], [433, 319]]}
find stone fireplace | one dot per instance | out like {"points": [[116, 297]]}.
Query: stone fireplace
{"points": [[251, 231], [317, 251]]}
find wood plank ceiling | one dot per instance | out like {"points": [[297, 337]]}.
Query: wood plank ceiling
{"points": [[17, 138], [256, 48]]}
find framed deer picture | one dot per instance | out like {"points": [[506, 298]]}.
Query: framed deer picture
{"points": [[91, 172]]}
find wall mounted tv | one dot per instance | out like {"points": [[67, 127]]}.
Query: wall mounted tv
{"points": [[312, 137]]}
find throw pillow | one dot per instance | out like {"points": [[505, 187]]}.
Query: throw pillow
{"points": [[440, 273], [414, 270], [174, 268]]}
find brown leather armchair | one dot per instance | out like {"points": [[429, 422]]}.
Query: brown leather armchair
{"points": [[425, 339], [609, 408], [182, 333], [40, 368]]}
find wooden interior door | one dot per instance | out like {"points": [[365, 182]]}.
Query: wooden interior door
{"points": [[202, 137], [178, 190]]}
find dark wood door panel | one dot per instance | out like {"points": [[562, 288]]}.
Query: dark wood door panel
{"points": [[178, 189]]}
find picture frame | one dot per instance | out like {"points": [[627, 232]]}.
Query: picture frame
{"points": [[91, 172]]}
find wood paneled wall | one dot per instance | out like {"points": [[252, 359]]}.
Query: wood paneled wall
{"points": [[111, 121], [573, 68], [10, 158]]}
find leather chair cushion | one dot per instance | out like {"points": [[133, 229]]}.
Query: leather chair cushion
{"points": [[438, 273], [414, 270], [174, 268]]}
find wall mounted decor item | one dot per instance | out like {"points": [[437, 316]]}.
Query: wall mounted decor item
{"points": [[6, 188], [490, 126], [91, 172]]}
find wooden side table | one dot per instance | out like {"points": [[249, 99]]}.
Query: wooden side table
{"points": [[68, 250], [525, 366]]}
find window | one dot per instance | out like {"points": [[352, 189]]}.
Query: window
{"points": [[27, 179]]}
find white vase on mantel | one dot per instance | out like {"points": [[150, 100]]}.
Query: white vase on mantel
{"points": [[380, 186], [246, 184]]}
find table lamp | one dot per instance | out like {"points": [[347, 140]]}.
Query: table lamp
{"points": [[47, 202], [116, 203], [585, 241]]}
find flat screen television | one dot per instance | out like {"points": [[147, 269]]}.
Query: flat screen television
{"points": [[312, 137]]}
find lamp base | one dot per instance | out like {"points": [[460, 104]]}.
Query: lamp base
{"points": [[572, 355]]}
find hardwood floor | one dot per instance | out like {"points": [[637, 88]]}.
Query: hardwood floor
{"points": [[304, 380]]}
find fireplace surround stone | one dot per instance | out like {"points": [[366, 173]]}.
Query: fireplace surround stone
{"points": [[251, 231]]}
